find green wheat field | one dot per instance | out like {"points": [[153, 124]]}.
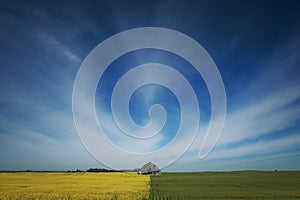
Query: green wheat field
{"points": [[226, 185]]}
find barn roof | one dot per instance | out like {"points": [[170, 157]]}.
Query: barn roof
{"points": [[149, 167]]}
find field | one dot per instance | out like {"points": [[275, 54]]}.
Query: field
{"points": [[207, 185], [226, 185], [73, 186]]}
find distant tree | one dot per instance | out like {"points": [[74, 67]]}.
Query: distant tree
{"points": [[101, 170]]}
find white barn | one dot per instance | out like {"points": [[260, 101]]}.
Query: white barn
{"points": [[149, 168]]}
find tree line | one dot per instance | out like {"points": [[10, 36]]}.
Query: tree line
{"points": [[95, 170]]}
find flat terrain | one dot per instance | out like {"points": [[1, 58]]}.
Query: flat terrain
{"points": [[226, 185], [207, 185], [73, 186]]}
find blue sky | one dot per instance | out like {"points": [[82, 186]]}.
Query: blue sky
{"points": [[255, 46]]}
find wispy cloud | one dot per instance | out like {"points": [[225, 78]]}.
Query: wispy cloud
{"points": [[53, 44]]}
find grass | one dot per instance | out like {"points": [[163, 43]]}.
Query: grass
{"points": [[73, 186], [226, 185]]}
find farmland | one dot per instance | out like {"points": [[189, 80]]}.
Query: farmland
{"points": [[226, 185], [204, 185], [73, 186]]}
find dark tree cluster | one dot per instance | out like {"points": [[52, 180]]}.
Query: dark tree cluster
{"points": [[77, 170], [101, 170]]}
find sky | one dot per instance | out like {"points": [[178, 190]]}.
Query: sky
{"points": [[254, 44]]}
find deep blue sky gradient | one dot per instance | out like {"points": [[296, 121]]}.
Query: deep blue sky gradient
{"points": [[255, 45]]}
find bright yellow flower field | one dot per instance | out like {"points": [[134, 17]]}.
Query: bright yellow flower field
{"points": [[74, 186]]}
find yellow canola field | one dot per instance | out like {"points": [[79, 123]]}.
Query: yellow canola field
{"points": [[33, 185]]}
